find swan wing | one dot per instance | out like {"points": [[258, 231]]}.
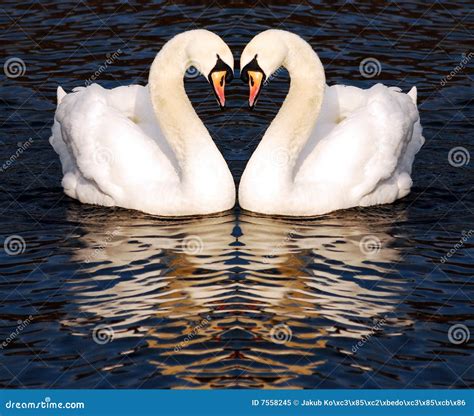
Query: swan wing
{"points": [[363, 146], [110, 146]]}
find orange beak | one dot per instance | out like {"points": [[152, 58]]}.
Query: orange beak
{"points": [[255, 84], [218, 84]]}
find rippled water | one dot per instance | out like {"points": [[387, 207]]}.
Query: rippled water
{"points": [[97, 297]]}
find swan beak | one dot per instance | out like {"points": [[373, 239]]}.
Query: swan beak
{"points": [[255, 84], [218, 83]]}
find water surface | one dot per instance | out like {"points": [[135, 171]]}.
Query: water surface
{"points": [[112, 298]]}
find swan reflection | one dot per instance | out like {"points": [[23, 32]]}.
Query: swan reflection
{"points": [[230, 300]]}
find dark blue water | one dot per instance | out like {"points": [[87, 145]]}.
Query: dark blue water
{"points": [[379, 297]]}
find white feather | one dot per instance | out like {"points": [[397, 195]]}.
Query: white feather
{"points": [[126, 147], [343, 146]]}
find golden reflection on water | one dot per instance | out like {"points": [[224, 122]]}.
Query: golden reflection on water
{"points": [[209, 295]]}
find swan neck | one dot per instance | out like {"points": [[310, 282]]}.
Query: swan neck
{"points": [[297, 117], [183, 129]]}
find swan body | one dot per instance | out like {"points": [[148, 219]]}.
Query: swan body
{"points": [[328, 148], [144, 147]]}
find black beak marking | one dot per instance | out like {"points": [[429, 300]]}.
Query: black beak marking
{"points": [[222, 66], [229, 75], [251, 66], [244, 76]]}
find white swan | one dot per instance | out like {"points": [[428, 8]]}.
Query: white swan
{"points": [[145, 148], [328, 148]]}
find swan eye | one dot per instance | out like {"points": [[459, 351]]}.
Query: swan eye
{"points": [[221, 66], [251, 67]]}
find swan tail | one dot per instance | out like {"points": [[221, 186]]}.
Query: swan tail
{"points": [[413, 94], [60, 94]]}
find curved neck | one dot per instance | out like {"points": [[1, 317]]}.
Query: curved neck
{"points": [[185, 132], [291, 128]]}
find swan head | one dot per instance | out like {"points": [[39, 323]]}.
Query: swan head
{"points": [[211, 56], [262, 56]]}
